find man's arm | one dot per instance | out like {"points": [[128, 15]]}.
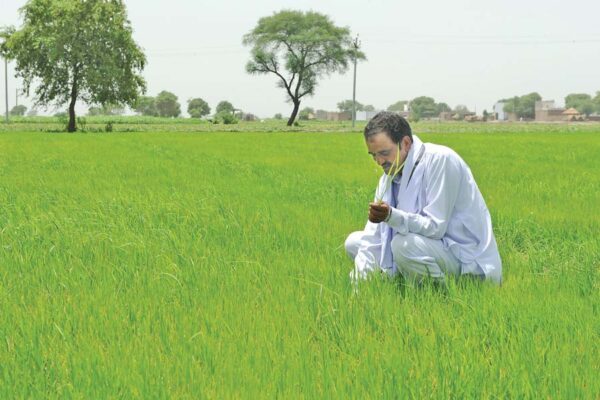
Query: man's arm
{"points": [[442, 182]]}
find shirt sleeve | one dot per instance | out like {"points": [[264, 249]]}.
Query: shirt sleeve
{"points": [[442, 181]]}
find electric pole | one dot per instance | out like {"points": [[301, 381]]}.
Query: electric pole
{"points": [[356, 45], [6, 85]]}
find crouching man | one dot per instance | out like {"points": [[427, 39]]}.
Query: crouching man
{"points": [[429, 218]]}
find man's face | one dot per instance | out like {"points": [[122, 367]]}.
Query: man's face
{"points": [[383, 149]]}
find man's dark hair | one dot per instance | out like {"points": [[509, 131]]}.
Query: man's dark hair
{"points": [[395, 126]]}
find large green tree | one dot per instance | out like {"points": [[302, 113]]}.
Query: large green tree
{"points": [[423, 107], [167, 104], [299, 48], [198, 108], [71, 50], [522, 106], [582, 102], [397, 106], [346, 106], [225, 107], [146, 105]]}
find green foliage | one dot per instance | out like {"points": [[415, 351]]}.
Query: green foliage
{"points": [[442, 107], [278, 116], [305, 113], [346, 106], [226, 118], [167, 105], [299, 48], [146, 105], [460, 111], [18, 110], [423, 107], [198, 108], [225, 107], [369, 107], [70, 50], [523, 106], [582, 102], [166, 265], [397, 106]]}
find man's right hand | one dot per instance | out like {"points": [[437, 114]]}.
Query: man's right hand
{"points": [[379, 212]]}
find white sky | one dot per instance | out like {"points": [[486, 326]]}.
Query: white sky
{"points": [[460, 52]]}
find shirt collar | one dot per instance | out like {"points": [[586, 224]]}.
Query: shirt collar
{"points": [[413, 153]]}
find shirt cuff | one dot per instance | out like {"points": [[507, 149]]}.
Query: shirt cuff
{"points": [[398, 221]]}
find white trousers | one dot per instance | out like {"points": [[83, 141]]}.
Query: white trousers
{"points": [[415, 256]]}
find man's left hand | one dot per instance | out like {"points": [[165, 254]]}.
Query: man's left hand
{"points": [[378, 212]]}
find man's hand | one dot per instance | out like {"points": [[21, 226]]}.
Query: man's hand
{"points": [[378, 212]]}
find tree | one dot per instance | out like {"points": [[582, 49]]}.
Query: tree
{"points": [[442, 107], [146, 105], [305, 113], [461, 110], [423, 107], [225, 106], [582, 102], [523, 106], [198, 108], [346, 106], [278, 116], [299, 48], [18, 111], [369, 107], [167, 105], [71, 50], [398, 106]]}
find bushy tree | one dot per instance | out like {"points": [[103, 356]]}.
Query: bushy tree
{"points": [[305, 113], [423, 107], [278, 116], [461, 110], [369, 107], [299, 48], [442, 107], [582, 102], [198, 108], [596, 101], [146, 105], [18, 111], [167, 105], [225, 106], [346, 106], [397, 106], [522, 106], [70, 50]]}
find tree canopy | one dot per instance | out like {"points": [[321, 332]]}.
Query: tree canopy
{"points": [[299, 48], [346, 106], [18, 110], [582, 102], [146, 105], [167, 105], [71, 50], [225, 106], [397, 106], [198, 108], [522, 106]]}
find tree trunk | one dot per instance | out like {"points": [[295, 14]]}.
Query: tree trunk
{"points": [[72, 127], [294, 113]]}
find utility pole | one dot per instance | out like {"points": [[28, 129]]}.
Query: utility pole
{"points": [[16, 96], [6, 85], [356, 45]]}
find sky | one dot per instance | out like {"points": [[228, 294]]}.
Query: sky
{"points": [[459, 52]]}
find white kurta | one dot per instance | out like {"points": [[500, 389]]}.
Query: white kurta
{"points": [[437, 199]]}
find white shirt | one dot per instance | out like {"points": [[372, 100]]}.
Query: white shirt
{"points": [[438, 199]]}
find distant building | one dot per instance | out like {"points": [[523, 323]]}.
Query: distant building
{"points": [[546, 111], [499, 113], [365, 115], [333, 116]]}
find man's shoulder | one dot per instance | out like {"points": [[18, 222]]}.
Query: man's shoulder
{"points": [[440, 153]]}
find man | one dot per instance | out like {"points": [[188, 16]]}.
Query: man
{"points": [[430, 220]]}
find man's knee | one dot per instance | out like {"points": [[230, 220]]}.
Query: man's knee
{"points": [[352, 243], [405, 246]]}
